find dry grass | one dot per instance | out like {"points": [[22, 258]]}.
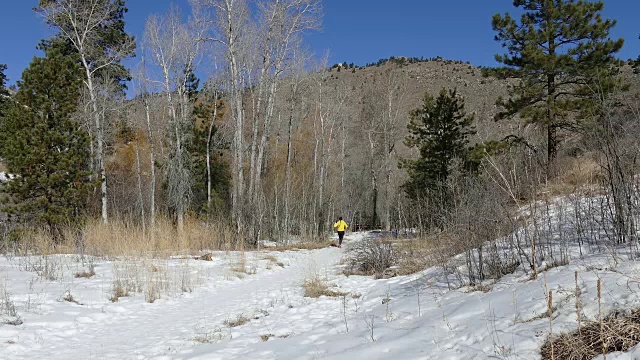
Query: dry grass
{"points": [[314, 245], [266, 337], [86, 274], [238, 321], [69, 298], [118, 290], [241, 266], [580, 172], [620, 333], [214, 336], [122, 239], [315, 288], [413, 255], [385, 258]]}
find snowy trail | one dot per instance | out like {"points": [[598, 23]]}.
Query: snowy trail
{"points": [[170, 328]]}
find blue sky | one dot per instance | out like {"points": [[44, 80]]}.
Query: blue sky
{"points": [[358, 31]]}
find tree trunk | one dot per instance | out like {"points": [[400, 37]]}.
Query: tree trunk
{"points": [[551, 121], [210, 134], [99, 139], [139, 178], [152, 191]]}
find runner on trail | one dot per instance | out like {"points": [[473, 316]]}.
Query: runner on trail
{"points": [[340, 226]]}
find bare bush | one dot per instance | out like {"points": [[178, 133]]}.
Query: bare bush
{"points": [[371, 257], [8, 309]]}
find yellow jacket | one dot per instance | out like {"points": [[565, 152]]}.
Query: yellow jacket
{"points": [[340, 225]]}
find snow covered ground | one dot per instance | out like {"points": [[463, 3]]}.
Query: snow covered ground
{"points": [[254, 308]]}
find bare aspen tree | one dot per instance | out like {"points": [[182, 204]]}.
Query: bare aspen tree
{"points": [[175, 49], [152, 161], [230, 20], [394, 90], [283, 22], [139, 180], [371, 116], [294, 98], [328, 112], [82, 24], [212, 91]]}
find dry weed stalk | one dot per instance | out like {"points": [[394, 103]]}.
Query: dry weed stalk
{"points": [[604, 345], [550, 313], [578, 302]]}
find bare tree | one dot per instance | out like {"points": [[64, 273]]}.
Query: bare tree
{"points": [[175, 49], [152, 154], [394, 90]]}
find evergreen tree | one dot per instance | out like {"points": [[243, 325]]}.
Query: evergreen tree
{"points": [[44, 147], [4, 93], [561, 51], [439, 130]]}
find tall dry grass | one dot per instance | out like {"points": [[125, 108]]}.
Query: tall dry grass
{"points": [[125, 239], [121, 238]]}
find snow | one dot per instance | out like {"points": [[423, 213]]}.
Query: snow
{"points": [[406, 317]]}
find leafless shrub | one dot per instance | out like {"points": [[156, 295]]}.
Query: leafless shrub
{"points": [[8, 307], [371, 257]]}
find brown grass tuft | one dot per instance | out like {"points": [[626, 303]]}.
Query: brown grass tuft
{"points": [[315, 245], [315, 288], [266, 337], [238, 321], [86, 274], [620, 333]]}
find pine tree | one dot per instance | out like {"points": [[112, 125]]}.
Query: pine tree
{"points": [[4, 93], [440, 131], [561, 51], [44, 147]]}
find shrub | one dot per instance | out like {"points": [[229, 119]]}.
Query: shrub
{"points": [[371, 257]]}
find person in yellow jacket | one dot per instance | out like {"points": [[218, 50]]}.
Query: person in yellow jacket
{"points": [[340, 226]]}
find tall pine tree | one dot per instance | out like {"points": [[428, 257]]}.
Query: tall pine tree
{"points": [[44, 147], [561, 51], [4, 93], [440, 131]]}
